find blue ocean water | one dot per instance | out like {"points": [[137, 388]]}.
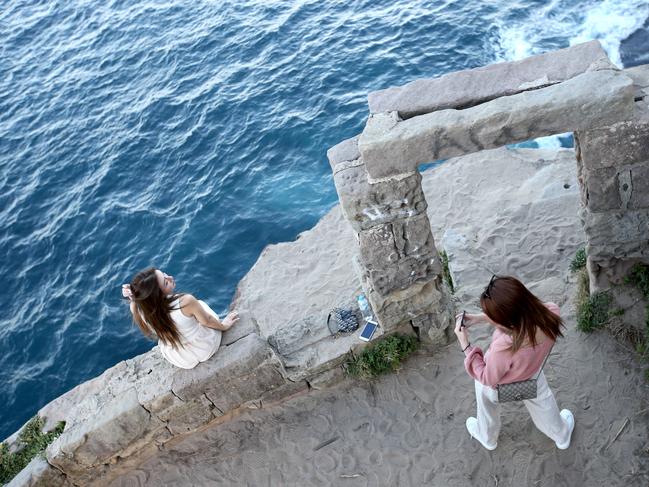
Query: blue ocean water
{"points": [[191, 134]]}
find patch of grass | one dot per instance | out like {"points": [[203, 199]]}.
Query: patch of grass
{"points": [[579, 261], [32, 442], [382, 357], [446, 272], [583, 287], [593, 313], [639, 277]]}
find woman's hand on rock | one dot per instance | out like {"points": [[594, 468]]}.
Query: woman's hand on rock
{"points": [[230, 319]]}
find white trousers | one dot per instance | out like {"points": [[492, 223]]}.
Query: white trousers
{"points": [[543, 410]]}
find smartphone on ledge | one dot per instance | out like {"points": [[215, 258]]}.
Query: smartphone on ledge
{"points": [[368, 330]]}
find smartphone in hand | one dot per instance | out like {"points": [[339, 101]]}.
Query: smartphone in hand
{"points": [[462, 325]]}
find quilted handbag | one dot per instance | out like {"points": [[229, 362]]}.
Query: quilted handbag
{"points": [[344, 321], [521, 390]]}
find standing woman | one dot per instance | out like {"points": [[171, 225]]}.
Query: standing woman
{"points": [[188, 331], [525, 330]]}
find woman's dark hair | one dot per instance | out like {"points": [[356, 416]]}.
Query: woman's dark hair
{"points": [[510, 304], [152, 308]]}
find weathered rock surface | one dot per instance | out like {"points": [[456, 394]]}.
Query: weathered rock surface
{"points": [[292, 288], [613, 168], [138, 405], [391, 147], [39, 473], [616, 144], [617, 233], [470, 87], [296, 282], [119, 428], [399, 254], [232, 379], [345, 151], [640, 76], [366, 205]]}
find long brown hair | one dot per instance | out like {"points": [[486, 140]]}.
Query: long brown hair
{"points": [[152, 308], [509, 303]]}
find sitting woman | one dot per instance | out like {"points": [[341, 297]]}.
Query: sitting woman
{"points": [[188, 331], [525, 330]]}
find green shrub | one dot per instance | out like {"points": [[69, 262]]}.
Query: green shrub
{"points": [[445, 271], [579, 261], [639, 276], [383, 356], [32, 441], [593, 313]]}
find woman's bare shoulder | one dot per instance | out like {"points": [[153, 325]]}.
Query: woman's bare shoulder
{"points": [[187, 302]]}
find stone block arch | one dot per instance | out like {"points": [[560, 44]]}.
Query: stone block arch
{"points": [[574, 90]]}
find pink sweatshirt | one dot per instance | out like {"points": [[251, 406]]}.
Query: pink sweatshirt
{"points": [[500, 365]]}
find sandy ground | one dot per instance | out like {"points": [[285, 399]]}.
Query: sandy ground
{"points": [[503, 211]]}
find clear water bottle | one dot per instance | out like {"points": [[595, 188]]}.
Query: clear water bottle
{"points": [[364, 306]]}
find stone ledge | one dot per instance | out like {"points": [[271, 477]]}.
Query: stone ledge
{"points": [[639, 75], [345, 151], [470, 87], [139, 404], [118, 429], [324, 355]]}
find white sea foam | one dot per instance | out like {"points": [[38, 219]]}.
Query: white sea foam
{"points": [[612, 21], [609, 21], [551, 142]]}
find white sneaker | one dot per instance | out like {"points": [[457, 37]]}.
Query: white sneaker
{"points": [[472, 428], [570, 421]]}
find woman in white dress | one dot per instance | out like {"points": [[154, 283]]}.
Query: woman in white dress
{"points": [[188, 331]]}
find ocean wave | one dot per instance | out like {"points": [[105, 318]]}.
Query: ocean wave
{"points": [[549, 26]]}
